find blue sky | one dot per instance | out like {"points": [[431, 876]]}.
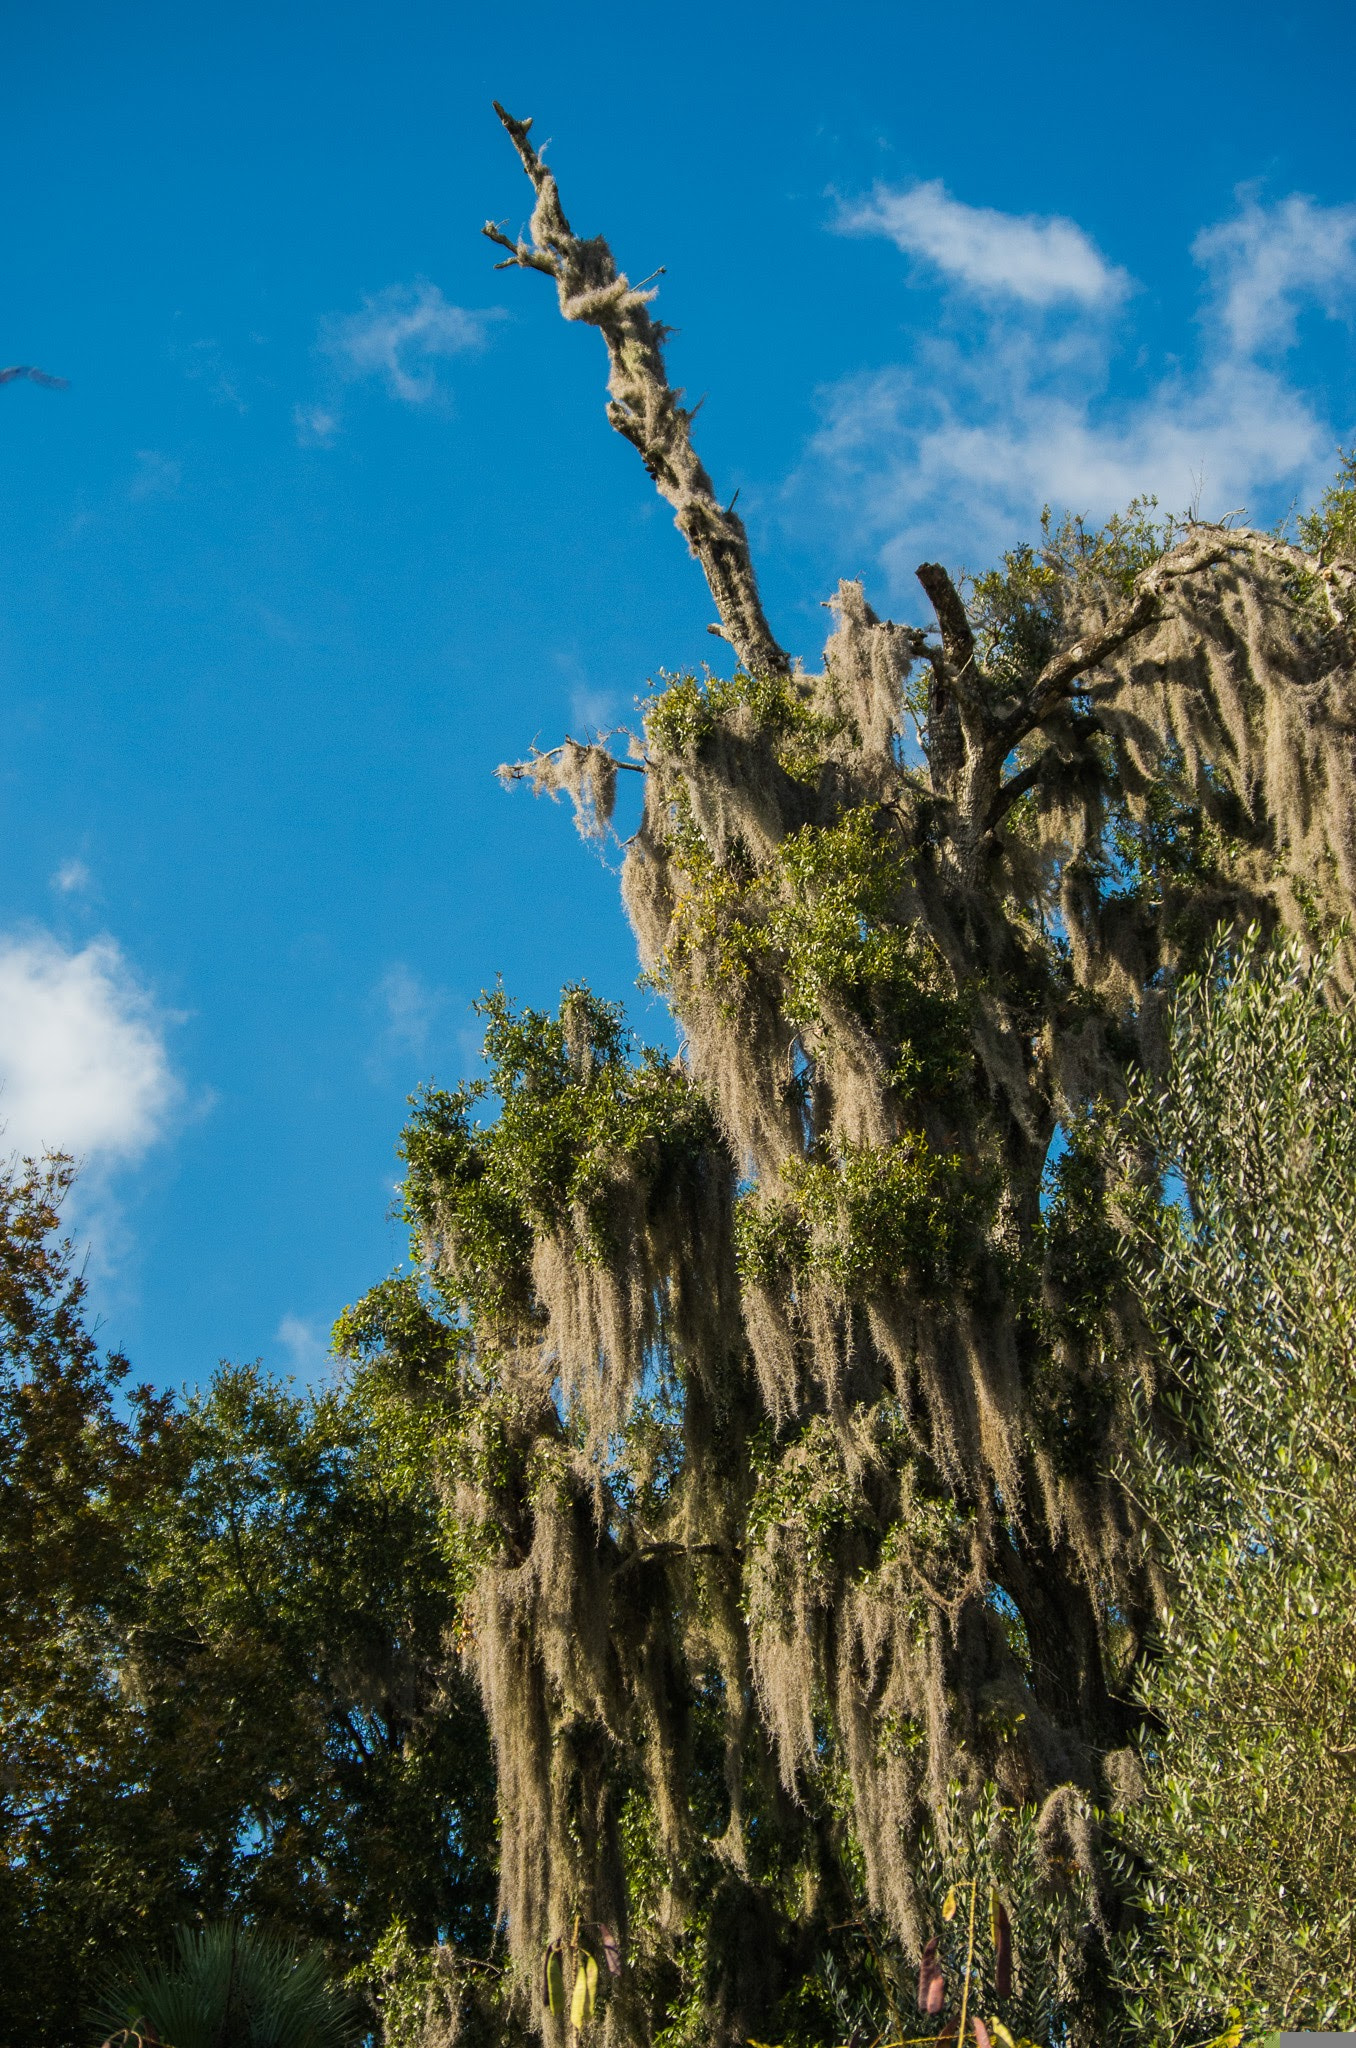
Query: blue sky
{"points": [[329, 521]]}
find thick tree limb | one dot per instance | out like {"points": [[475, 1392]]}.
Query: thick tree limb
{"points": [[1337, 575], [642, 405], [1013, 790], [953, 677], [958, 642], [1204, 550]]}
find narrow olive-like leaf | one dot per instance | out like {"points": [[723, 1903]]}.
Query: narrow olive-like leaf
{"points": [[1001, 1929], [555, 1979], [580, 2001]]}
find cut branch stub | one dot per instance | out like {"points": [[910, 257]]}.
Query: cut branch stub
{"points": [[642, 405]]}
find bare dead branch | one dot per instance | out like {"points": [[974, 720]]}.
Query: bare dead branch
{"points": [[951, 703], [958, 642], [642, 405]]}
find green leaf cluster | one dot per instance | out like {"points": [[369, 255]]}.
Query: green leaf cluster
{"points": [[872, 1217], [577, 1113], [684, 717], [1020, 611], [824, 922]]}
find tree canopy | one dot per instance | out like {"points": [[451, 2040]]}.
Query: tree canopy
{"points": [[784, 1391], [224, 1684], [723, 1601]]}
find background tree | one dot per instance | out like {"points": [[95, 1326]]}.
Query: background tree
{"points": [[73, 1472], [289, 1650], [1242, 1844], [224, 1677], [780, 1387]]}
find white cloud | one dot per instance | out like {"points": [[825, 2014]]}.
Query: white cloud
{"points": [[1267, 262], [1042, 262], [963, 456], [316, 425], [399, 333], [998, 411], [203, 362], [307, 1347], [593, 707], [406, 1009], [409, 1006], [72, 878], [83, 1062]]}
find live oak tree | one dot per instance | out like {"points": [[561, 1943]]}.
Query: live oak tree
{"points": [[224, 1685], [780, 1388]]}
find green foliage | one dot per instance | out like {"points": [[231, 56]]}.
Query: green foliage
{"points": [[442, 1414], [425, 1994], [574, 1107], [1241, 1849], [876, 1215], [1329, 530], [289, 1650], [824, 921], [804, 1489], [685, 716], [1170, 838], [864, 1984], [223, 1677], [227, 1983], [75, 1473], [1021, 610]]}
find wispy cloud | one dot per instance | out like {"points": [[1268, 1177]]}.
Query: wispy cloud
{"points": [[72, 878], [405, 1008], [593, 706], [317, 425], [400, 334], [306, 1346], [1269, 262], [204, 362], [1041, 261], [1000, 409], [84, 1066]]}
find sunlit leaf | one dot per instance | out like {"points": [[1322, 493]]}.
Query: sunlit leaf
{"points": [[579, 2003], [555, 1979]]}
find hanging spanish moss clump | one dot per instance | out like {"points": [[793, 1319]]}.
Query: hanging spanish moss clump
{"points": [[781, 1384]]}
